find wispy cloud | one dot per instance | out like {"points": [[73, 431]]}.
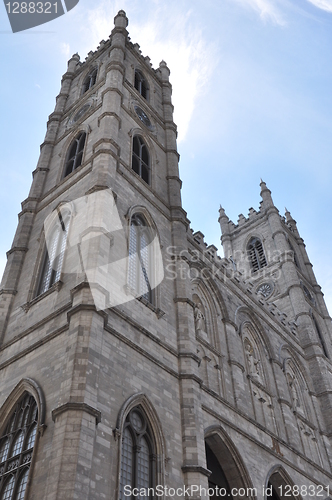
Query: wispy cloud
{"points": [[268, 10], [173, 39], [65, 49], [322, 4]]}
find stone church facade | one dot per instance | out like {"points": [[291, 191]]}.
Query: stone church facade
{"points": [[215, 381]]}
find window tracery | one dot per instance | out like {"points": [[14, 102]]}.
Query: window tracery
{"points": [[141, 159], [75, 154], [16, 448], [138, 453], [89, 80]]}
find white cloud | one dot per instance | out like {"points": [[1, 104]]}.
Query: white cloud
{"points": [[322, 4], [161, 37], [267, 10], [65, 49]]}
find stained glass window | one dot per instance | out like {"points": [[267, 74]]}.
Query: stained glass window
{"points": [[16, 447], [137, 452]]}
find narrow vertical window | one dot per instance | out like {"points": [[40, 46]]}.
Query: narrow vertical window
{"points": [[137, 457], [140, 258], [141, 85], [256, 254], [141, 159], [54, 254], [16, 448], [320, 336], [296, 260], [90, 80], [75, 153]]}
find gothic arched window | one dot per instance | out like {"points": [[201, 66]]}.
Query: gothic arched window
{"points": [[75, 153], [140, 258], [138, 454], [56, 241], [141, 85], [141, 159], [89, 80], [256, 254], [16, 448]]}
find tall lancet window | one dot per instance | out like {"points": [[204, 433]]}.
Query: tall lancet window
{"points": [[75, 153], [56, 240], [140, 258], [141, 159], [138, 455], [90, 80], [141, 85], [256, 254], [16, 448]]}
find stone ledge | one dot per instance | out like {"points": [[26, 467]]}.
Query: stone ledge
{"points": [[74, 406]]}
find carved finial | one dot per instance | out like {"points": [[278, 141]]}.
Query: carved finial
{"points": [[163, 68], [266, 195], [121, 20]]}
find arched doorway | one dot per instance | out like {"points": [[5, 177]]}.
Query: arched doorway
{"points": [[279, 485], [217, 479], [227, 468]]}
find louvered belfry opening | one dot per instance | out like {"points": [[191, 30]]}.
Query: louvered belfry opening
{"points": [[141, 85], [256, 254]]}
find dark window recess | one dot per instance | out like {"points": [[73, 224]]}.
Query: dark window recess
{"points": [[256, 254], [217, 479], [90, 80], [320, 336], [137, 453], [141, 159], [141, 85], [75, 154], [16, 448]]}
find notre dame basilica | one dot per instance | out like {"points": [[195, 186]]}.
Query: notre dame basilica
{"points": [[134, 361]]}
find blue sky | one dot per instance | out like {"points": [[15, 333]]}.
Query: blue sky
{"points": [[252, 84]]}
